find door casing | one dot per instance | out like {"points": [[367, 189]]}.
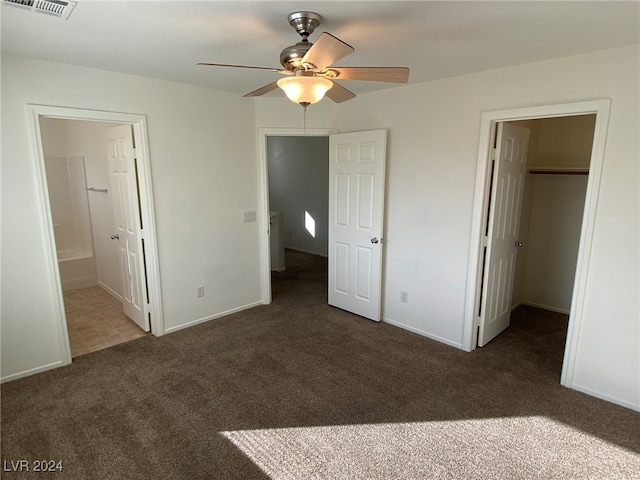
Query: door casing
{"points": [[488, 125], [146, 206]]}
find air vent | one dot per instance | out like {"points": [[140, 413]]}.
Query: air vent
{"points": [[57, 8]]}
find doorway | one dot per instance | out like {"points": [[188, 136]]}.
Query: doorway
{"points": [[355, 221], [44, 114], [489, 126], [277, 152], [81, 200], [298, 179]]}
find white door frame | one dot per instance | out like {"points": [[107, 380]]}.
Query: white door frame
{"points": [[263, 201], [139, 124], [487, 130]]}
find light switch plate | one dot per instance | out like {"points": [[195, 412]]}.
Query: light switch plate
{"points": [[249, 216]]}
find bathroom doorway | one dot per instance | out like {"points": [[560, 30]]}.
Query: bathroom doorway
{"points": [[76, 180], [81, 204]]}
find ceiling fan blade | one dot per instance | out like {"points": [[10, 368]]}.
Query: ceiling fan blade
{"points": [[262, 90], [339, 94], [279, 70], [326, 50], [374, 74]]}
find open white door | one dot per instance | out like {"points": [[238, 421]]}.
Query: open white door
{"points": [[356, 209], [126, 210], [504, 223]]}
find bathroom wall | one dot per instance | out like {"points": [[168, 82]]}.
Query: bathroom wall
{"points": [[86, 140], [69, 206], [89, 139]]}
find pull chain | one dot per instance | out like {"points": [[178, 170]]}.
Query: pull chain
{"points": [[304, 115], [304, 119]]}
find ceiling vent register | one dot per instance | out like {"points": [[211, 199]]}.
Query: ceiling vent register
{"points": [[57, 8]]}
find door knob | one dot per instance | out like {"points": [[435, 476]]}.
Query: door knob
{"points": [[374, 240], [519, 244], [115, 237]]}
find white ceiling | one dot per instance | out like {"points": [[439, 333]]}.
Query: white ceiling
{"points": [[165, 39]]}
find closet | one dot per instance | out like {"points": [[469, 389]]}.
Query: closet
{"points": [[558, 166]]}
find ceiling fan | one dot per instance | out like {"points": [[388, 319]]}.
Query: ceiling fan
{"points": [[308, 66]]}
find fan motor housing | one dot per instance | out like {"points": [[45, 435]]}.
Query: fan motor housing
{"points": [[291, 57]]}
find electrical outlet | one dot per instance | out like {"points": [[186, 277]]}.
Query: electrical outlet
{"points": [[404, 296], [200, 291]]}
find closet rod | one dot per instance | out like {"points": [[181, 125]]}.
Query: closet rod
{"points": [[101, 190]]}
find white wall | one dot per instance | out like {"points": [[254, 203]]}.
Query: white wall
{"points": [[276, 112], [298, 184], [89, 139], [555, 223], [69, 207], [55, 148], [204, 169], [433, 149], [565, 142], [55, 138]]}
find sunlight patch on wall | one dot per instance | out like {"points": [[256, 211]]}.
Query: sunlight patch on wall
{"points": [[310, 224], [513, 447]]}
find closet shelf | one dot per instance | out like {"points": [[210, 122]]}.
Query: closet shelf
{"points": [[559, 171]]}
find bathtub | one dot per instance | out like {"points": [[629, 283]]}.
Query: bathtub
{"points": [[77, 269]]}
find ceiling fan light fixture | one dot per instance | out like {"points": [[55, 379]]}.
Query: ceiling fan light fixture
{"points": [[305, 89], [310, 66]]}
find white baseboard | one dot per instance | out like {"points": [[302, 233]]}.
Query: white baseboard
{"points": [[606, 397], [516, 305], [32, 371], [111, 291], [543, 307], [211, 317], [437, 338], [78, 282], [306, 251]]}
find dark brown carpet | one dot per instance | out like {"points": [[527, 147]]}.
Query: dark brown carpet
{"points": [[298, 389]]}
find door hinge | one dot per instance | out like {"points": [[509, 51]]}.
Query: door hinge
{"points": [[485, 241], [494, 154]]}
